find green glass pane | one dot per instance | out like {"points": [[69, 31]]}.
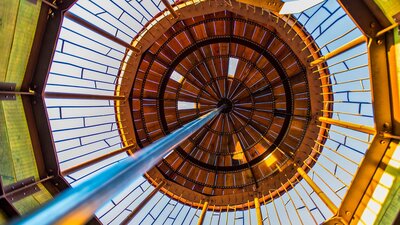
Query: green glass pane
{"points": [[389, 7], [33, 201], [17, 31], [8, 18], [19, 163]]}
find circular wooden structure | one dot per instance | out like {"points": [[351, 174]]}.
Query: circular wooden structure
{"points": [[257, 69]]}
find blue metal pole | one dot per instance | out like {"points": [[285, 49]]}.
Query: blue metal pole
{"points": [[77, 205]]}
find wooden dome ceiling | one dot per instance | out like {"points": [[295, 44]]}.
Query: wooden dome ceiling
{"points": [[271, 100]]}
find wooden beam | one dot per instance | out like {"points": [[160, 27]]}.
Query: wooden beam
{"points": [[258, 211], [100, 31], [203, 213], [142, 204], [318, 191], [170, 9]]}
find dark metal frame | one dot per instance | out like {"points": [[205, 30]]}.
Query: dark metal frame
{"points": [[35, 78], [36, 74], [370, 20], [5, 204]]}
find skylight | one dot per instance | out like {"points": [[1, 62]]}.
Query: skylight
{"points": [[233, 63], [186, 105], [176, 76], [298, 6]]}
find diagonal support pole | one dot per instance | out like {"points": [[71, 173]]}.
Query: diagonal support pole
{"points": [[77, 205]]}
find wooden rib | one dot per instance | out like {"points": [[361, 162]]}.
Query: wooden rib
{"points": [[82, 96], [170, 9]]}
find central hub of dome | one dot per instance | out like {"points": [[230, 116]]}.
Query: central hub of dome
{"points": [[228, 105]]}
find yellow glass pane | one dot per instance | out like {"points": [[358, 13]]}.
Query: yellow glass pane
{"points": [[33, 201], [19, 163], [8, 16]]}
